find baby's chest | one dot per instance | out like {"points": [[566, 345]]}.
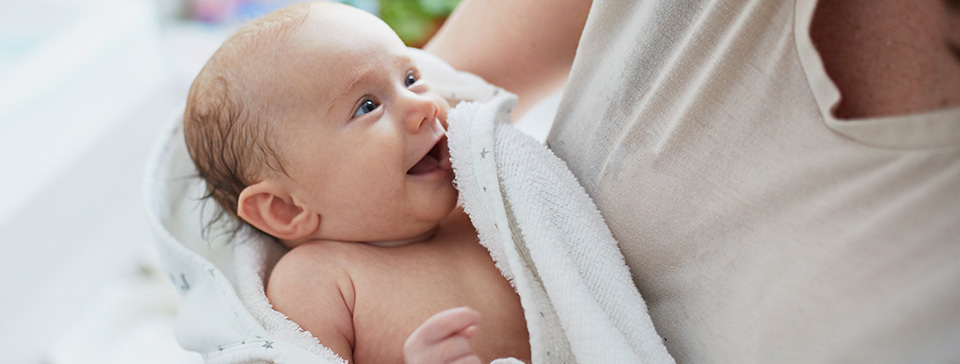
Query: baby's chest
{"points": [[392, 300], [395, 296], [406, 292]]}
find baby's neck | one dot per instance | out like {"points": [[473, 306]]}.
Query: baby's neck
{"points": [[401, 242]]}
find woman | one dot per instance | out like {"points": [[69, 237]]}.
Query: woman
{"points": [[765, 218]]}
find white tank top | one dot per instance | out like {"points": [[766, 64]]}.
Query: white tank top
{"points": [[758, 227]]}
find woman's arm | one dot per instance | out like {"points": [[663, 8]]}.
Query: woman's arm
{"points": [[524, 46]]}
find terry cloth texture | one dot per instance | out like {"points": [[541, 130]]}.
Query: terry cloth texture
{"points": [[223, 313], [550, 242]]}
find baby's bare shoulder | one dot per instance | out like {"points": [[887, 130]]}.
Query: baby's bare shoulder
{"points": [[316, 257], [311, 288], [312, 272]]}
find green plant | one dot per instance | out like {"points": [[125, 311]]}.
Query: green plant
{"points": [[415, 21]]}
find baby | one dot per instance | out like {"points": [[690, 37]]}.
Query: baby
{"points": [[312, 124]]}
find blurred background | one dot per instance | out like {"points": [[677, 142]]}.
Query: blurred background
{"points": [[86, 87]]}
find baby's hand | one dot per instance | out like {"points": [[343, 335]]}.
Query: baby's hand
{"points": [[443, 338]]}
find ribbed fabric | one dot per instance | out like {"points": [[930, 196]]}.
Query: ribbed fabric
{"points": [[760, 228]]}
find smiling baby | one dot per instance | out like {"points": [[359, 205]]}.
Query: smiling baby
{"points": [[313, 125]]}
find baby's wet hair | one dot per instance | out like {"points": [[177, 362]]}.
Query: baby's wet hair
{"points": [[227, 136]]}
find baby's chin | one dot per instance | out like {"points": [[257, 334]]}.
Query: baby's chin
{"points": [[390, 243], [393, 233], [424, 232]]}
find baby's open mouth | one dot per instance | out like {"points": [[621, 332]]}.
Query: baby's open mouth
{"points": [[437, 158]]}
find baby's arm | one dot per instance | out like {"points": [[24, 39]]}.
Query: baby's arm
{"points": [[319, 297], [443, 338]]}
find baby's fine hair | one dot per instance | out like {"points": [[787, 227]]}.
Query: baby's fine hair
{"points": [[226, 137]]}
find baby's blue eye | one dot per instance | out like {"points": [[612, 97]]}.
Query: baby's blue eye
{"points": [[365, 107], [410, 80]]}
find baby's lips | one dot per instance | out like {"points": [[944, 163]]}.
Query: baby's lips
{"points": [[445, 164], [445, 155]]}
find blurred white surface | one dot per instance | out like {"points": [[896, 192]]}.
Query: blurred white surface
{"points": [[73, 71], [85, 86]]}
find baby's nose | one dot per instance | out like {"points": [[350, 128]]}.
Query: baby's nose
{"points": [[421, 110]]}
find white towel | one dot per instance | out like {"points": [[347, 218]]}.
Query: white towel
{"points": [[223, 313], [550, 241]]}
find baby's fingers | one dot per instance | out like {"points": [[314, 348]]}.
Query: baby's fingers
{"points": [[444, 338], [454, 349], [446, 323], [472, 359]]}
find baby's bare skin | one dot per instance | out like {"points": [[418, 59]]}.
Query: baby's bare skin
{"points": [[363, 301], [361, 165]]}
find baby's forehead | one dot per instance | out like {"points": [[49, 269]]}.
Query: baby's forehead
{"points": [[342, 26], [276, 57]]}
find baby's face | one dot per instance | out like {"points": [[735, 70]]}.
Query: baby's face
{"points": [[364, 141]]}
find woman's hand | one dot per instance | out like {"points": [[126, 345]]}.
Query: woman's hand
{"points": [[444, 338]]}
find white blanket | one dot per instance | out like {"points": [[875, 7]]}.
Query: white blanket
{"points": [[550, 241], [545, 234]]}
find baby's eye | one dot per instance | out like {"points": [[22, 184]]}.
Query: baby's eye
{"points": [[365, 107], [410, 80]]}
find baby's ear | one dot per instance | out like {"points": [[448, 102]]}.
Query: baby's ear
{"points": [[268, 206]]}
